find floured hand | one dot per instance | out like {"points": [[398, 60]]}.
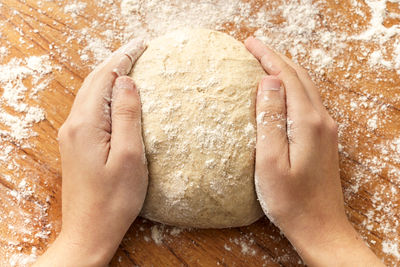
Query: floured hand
{"points": [[104, 172], [297, 169]]}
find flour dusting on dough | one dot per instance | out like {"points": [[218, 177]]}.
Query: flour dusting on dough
{"points": [[202, 117]]}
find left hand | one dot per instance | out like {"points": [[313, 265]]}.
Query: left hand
{"points": [[297, 176], [104, 171]]}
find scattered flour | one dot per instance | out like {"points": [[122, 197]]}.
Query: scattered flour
{"points": [[391, 248], [21, 259], [75, 8], [246, 245], [175, 231], [377, 31], [3, 52], [372, 123], [161, 232], [228, 248], [16, 95], [157, 234]]}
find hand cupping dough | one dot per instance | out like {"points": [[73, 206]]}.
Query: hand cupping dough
{"points": [[197, 89]]}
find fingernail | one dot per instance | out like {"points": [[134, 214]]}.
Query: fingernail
{"points": [[124, 83], [271, 84]]}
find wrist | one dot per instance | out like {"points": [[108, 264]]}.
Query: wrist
{"points": [[317, 245], [66, 252], [333, 244], [81, 252]]}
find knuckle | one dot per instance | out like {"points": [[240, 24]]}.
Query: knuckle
{"points": [[61, 133], [273, 164], [272, 108], [131, 153], [288, 70], [297, 172], [127, 111], [90, 77], [333, 127], [271, 115], [70, 130], [322, 125], [303, 72], [315, 123], [264, 160]]}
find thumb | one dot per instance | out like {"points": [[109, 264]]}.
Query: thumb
{"points": [[126, 133], [272, 142]]}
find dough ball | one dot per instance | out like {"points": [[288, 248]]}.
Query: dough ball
{"points": [[197, 89]]}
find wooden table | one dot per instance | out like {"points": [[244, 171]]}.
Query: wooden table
{"points": [[361, 94]]}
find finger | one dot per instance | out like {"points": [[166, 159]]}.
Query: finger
{"points": [[127, 55], [298, 103], [309, 85], [272, 142], [126, 134], [93, 99], [117, 64]]}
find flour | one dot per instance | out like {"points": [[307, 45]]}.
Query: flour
{"points": [[15, 95], [263, 204], [157, 234], [396, 56], [391, 248], [227, 248], [372, 123], [22, 259], [95, 48], [246, 245], [75, 8], [3, 52], [21, 80], [376, 58], [376, 30]]}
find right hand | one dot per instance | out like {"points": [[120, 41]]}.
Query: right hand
{"points": [[297, 169]]}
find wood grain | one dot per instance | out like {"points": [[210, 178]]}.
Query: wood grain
{"points": [[41, 27]]}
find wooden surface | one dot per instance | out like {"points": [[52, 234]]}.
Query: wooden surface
{"points": [[369, 156]]}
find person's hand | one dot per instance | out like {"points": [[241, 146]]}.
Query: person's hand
{"points": [[297, 167], [104, 171]]}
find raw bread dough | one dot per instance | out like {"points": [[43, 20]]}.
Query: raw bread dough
{"points": [[197, 89]]}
